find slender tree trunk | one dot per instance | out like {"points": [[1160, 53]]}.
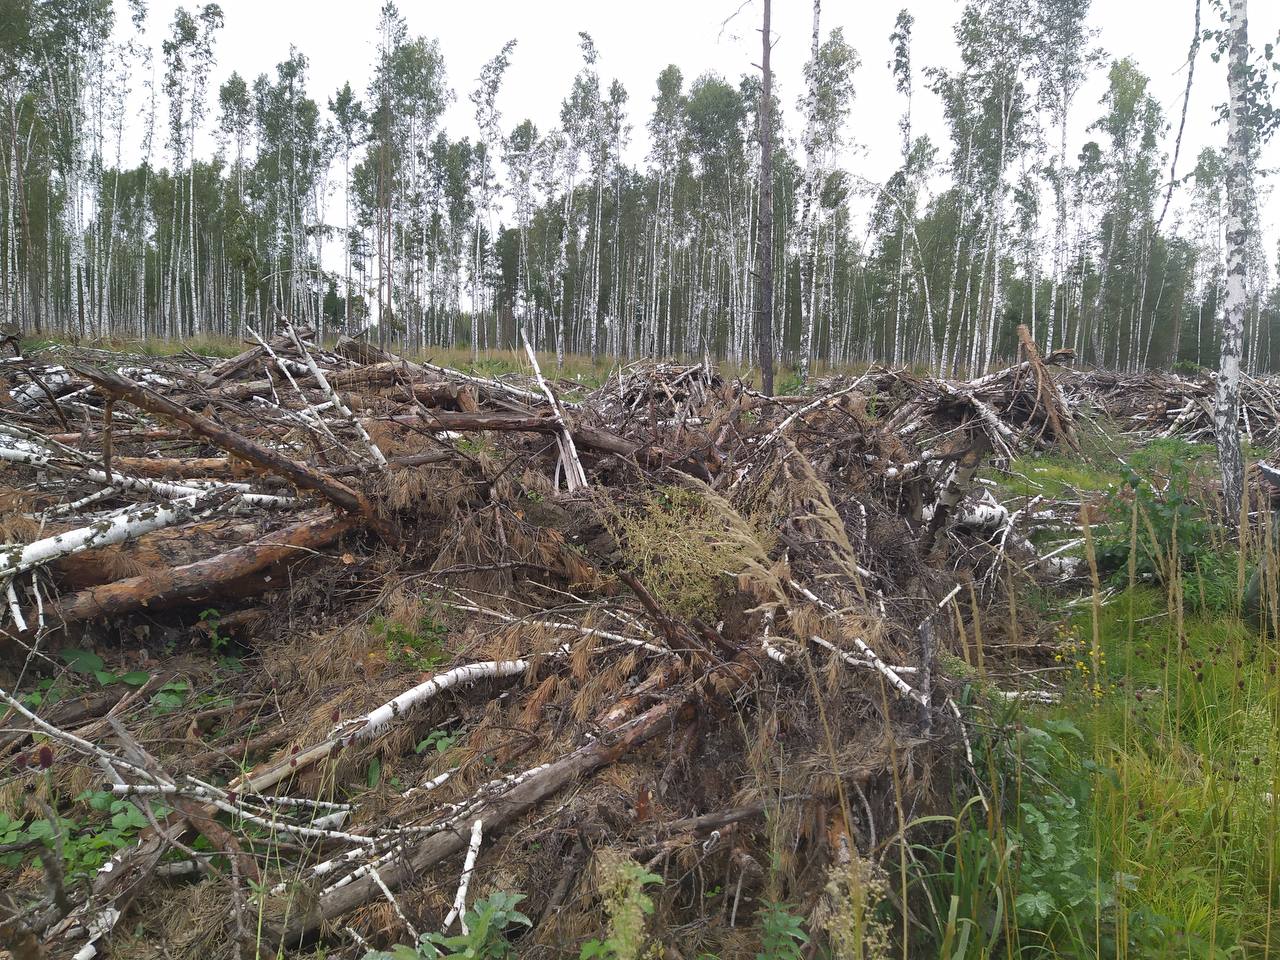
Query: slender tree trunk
{"points": [[764, 242], [1227, 408], [812, 176]]}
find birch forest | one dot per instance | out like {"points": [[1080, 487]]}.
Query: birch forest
{"points": [[262, 197]]}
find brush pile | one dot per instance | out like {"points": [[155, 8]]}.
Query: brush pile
{"points": [[1163, 405], [326, 645]]}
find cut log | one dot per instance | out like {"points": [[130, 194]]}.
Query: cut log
{"points": [[171, 547], [188, 468], [125, 526], [202, 579], [120, 436]]}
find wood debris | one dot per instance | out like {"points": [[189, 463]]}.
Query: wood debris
{"points": [[480, 623]]}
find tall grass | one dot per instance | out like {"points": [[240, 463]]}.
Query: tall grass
{"points": [[1137, 817]]}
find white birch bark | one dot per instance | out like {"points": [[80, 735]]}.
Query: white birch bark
{"points": [[19, 558], [808, 210], [1226, 411]]}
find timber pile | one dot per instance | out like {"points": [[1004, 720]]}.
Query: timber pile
{"points": [[434, 635]]}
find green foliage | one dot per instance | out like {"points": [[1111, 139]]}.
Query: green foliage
{"points": [[217, 640], [622, 883], [789, 385], [171, 696], [1032, 865], [47, 691], [487, 923], [1187, 750], [1134, 819], [86, 843], [1167, 480], [420, 647], [782, 935], [439, 740], [1052, 476], [1058, 871], [90, 664]]}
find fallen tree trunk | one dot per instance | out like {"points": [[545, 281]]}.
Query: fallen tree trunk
{"points": [[241, 361], [120, 436], [125, 526], [170, 547], [201, 579], [363, 352], [585, 435], [187, 468]]}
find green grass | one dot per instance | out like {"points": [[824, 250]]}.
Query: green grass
{"points": [[1180, 804], [1053, 477], [1134, 818], [577, 368], [202, 345]]}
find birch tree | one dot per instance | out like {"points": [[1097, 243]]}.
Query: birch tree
{"points": [[764, 241], [1062, 62], [351, 121], [485, 101], [1250, 118], [828, 95]]}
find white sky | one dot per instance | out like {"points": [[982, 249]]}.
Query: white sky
{"points": [[635, 41]]}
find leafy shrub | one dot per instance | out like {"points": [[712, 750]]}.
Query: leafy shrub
{"points": [[782, 935], [486, 938], [1174, 532], [86, 844], [90, 664], [622, 883], [1031, 868], [1051, 834]]}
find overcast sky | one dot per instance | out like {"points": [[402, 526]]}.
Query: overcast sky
{"points": [[636, 40]]}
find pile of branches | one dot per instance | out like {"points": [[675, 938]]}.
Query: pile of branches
{"points": [[441, 634], [1017, 407], [1160, 404]]}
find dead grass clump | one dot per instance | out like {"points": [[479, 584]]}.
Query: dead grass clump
{"points": [[15, 525], [189, 921], [849, 911], [685, 543]]}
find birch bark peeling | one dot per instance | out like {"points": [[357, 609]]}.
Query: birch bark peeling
{"points": [[22, 557]]}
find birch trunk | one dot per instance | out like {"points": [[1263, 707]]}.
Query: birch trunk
{"points": [[764, 243], [1226, 413], [812, 177]]}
